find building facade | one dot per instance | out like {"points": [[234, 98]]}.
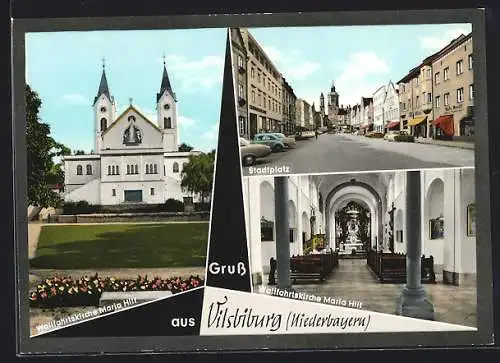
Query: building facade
{"points": [[378, 109], [240, 74], [366, 107], [304, 114], [264, 88], [135, 160], [333, 105], [454, 90], [289, 113], [390, 107]]}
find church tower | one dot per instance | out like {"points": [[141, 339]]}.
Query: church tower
{"points": [[322, 104], [166, 107], [333, 104], [104, 110]]}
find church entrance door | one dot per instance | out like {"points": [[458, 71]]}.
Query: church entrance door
{"points": [[133, 196]]}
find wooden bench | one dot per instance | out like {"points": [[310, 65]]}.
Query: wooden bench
{"points": [[307, 268], [391, 267]]}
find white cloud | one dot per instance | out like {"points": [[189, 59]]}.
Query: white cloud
{"points": [[439, 41], [195, 74], [186, 122], [354, 81], [75, 99], [212, 133], [291, 64]]}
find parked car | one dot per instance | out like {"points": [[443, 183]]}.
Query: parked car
{"points": [[251, 152], [274, 142], [374, 135], [288, 141], [389, 136], [404, 137]]}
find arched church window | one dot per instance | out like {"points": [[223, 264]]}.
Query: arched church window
{"points": [[110, 172], [175, 167], [167, 123], [117, 169], [79, 170], [136, 169], [128, 169], [104, 124], [89, 169], [155, 169], [147, 168]]}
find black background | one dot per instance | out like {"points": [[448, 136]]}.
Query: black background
{"points": [[94, 8]]}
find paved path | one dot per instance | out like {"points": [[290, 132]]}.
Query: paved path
{"points": [[353, 280], [347, 153]]}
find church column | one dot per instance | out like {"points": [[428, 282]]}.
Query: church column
{"points": [[300, 227], [282, 243], [252, 192], [413, 300]]}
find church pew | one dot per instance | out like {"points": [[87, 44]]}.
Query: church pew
{"points": [[391, 267], [308, 267]]}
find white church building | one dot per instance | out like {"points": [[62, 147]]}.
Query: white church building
{"points": [[135, 160], [447, 216]]}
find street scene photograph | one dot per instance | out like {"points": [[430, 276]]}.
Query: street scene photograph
{"points": [[356, 98], [392, 242], [121, 135]]}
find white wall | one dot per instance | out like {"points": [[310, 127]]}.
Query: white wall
{"points": [[107, 197], [89, 192], [113, 137], [70, 163]]}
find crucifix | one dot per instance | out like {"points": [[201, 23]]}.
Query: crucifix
{"points": [[130, 101], [164, 59], [103, 63]]}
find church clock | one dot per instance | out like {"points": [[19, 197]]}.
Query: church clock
{"points": [[166, 106], [103, 109]]}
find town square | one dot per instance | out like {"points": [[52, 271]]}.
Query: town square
{"points": [[373, 107]]}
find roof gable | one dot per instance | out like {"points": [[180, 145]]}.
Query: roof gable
{"points": [[124, 113]]}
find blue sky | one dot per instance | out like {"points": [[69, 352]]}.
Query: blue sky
{"points": [[65, 69], [359, 59]]}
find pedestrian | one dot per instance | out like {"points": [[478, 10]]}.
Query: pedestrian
{"points": [[316, 134]]}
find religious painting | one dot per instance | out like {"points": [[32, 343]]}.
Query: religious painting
{"points": [[436, 228], [266, 230], [471, 220]]}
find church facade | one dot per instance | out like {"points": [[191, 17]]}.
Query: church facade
{"points": [[135, 160]]}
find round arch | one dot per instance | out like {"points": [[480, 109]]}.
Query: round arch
{"points": [[362, 191], [434, 205]]}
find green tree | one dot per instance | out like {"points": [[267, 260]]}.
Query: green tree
{"points": [[41, 149], [185, 147], [197, 175]]}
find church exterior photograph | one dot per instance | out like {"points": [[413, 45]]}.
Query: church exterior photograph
{"points": [[374, 105], [395, 242], [121, 144]]}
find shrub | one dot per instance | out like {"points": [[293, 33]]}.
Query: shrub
{"points": [[66, 292], [202, 207], [173, 205], [81, 207]]}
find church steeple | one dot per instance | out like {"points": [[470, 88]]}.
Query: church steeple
{"points": [[103, 85], [165, 83]]}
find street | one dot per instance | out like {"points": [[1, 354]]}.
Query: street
{"points": [[347, 153]]}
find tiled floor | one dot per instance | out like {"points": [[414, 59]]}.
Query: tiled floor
{"points": [[353, 280]]}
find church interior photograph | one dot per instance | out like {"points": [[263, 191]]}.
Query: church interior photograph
{"points": [[397, 242], [118, 193]]}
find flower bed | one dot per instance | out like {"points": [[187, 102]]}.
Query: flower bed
{"points": [[67, 292]]}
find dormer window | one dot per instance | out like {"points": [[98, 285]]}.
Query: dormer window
{"points": [[103, 109], [166, 106]]}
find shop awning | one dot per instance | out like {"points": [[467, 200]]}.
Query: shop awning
{"points": [[445, 123], [417, 121], [393, 125]]}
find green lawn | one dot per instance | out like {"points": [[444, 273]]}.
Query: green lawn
{"points": [[122, 246]]}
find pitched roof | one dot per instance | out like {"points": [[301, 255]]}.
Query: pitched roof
{"points": [[124, 112], [165, 84], [103, 87]]}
